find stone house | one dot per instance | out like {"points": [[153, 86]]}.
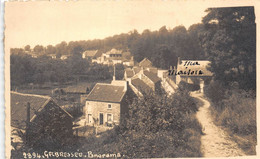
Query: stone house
{"points": [[107, 104]]}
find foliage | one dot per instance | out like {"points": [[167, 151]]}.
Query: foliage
{"points": [[229, 40], [161, 47], [26, 70], [187, 86]]}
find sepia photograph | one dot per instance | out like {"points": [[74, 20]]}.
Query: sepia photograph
{"points": [[130, 79]]}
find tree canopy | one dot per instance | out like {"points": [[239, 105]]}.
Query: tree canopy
{"points": [[229, 40]]}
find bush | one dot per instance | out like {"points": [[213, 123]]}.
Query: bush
{"points": [[215, 91], [188, 86]]}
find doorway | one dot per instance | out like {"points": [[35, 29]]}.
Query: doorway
{"points": [[101, 118]]}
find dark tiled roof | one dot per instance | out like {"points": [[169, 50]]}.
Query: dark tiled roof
{"points": [[140, 85], [114, 51], [202, 66], [106, 93], [19, 106], [152, 76], [90, 53], [153, 70], [145, 63], [129, 73]]}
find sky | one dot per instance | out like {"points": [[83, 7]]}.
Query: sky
{"points": [[47, 23]]}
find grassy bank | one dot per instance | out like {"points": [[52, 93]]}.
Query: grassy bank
{"points": [[235, 109]]}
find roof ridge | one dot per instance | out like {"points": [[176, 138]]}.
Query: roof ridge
{"points": [[34, 95]]}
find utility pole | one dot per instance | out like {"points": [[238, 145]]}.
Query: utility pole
{"points": [[27, 133], [114, 76]]}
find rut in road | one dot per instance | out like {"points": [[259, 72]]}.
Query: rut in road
{"points": [[215, 142]]}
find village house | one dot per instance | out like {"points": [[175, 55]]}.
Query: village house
{"points": [[115, 56], [91, 54], [53, 56], [193, 72], [107, 104], [128, 74], [145, 63], [149, 78], [64, 57], [36, 114], [143, 75]]}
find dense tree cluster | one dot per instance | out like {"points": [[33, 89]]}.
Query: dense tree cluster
{"points": [[26, 70], [229, 39], [161, 47]]}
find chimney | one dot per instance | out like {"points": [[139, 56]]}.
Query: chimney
{"points": [[126, 85], [179, 60]]}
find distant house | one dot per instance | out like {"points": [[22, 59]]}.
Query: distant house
{"points": [[193, 72], [115, 56], [91, 54], [64, 57], [145, 63], [129, 73], [45, 116], [76, 93], [53, 56], [143, 75], [106, 103], [149, 78], [139, 87]]}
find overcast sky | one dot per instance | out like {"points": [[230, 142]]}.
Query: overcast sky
{"points": [[52, 22]]}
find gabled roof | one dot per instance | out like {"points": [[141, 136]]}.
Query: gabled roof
{"points": [[106, 93], [202, 66], [153, 70], [129, 73], [152, 76], [90, 53], [145, 63], [19, 107], [136, 69], [140, 85], [114, 51]]}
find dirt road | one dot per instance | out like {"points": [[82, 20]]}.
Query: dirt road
{"points": [[215, 142]]}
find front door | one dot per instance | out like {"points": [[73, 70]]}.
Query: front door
{"points": [[101, 119]]}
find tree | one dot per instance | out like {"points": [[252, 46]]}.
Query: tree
{"points": [[27, 48], [62, 48], [50, 49], [39, 49], [229, 41]]}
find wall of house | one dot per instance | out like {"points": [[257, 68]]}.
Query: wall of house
{"points": [[96, 107]]}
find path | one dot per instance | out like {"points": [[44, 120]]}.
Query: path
{"points": [[215, 142]]}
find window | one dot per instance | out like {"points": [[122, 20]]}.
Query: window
{"points": [[109, 118], [109, 106]]}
